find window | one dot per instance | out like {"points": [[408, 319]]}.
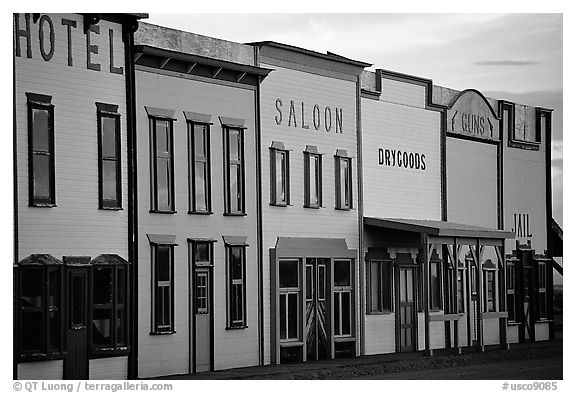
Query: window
{"points": [[279, 175], [162, 163], [490, 256], [236, 285], [312, 177], [542, 295], [163, 288], [461, 285], [199, 161], [40, 306], [109, 303], [342, 298], [490, 290], [41, 150], [202, 293], [289, 292], [234, 170], [435, 285], [380, 291], [201, 254], [109, 157], [511, 291], [343, 166]]}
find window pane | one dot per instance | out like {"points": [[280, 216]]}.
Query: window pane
{"points": [[78, 301], [237, 303], [313, 180], [283, 316], [40, 134], [121, 285], [31, 287], [234, 145], [375, 298], [41, 175], [32, 328], [108, 136], [341, 273], [337, 313], [101, 333], [344, 183], [288, 271], [54, 331], [236, 261], [109, 185], [162, 137], [202, 252], [102, 285], [200, 183], [199, 136], [280, 176], [163, 183], [234, 187], [163, 264], [309, 281], [292, 315], [435, 284], [53, 288], [346, 313], [409, 286], [121, 327]]}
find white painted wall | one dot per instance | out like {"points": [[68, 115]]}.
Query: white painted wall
{"points": [[51, 369], [491, 331], [109, 368], [380, 334]]}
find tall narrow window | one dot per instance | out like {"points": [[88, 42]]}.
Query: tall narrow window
{"points": [[236, 285], [312, 177], [435, 285], [343, 165], [380, 281], [490, 290], [162, 247], [279, 175], [161, 160], [289, 288], [109, 157], [511, 291], [201, 255], [234, 170], [343, 315], [41, 150], [199, 161], [109, 303], [542, 293]]}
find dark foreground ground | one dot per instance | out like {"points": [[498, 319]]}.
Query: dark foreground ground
{"points": [[536, 361]]}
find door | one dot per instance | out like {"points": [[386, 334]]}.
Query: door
{"points": [[406, 316], [76, 364], [473, 304], [527, 305], [316, 309], [203, 319]]}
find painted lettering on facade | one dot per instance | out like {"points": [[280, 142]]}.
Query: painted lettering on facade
{"points": [[302, 115], [49, 34], [522, 225], [472, 116], [401, 159]]}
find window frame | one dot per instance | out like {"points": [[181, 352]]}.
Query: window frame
{"points": [[338, 291], [231, 303], [276, 149], [347, 191], [228, 211], [44, 103], [310, 152], [156, 329], [192, 160], [385, 297], [543, 312], [493, 289], [154, 165], [438, 297], [287, 292], [511, 293], [109, 111]]}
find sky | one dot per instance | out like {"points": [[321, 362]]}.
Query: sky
{"points": [[517, 57]]}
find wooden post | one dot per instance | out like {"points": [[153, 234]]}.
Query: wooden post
{"points": [[480, 291], [503, 297], [427, 350]]}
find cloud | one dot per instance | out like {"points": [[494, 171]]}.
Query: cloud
{"points": [[506, 63]]}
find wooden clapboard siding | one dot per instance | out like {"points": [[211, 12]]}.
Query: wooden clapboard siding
{"points": [[491, 331], [379, 333], [512, 334], [76, 226], [51, 369], [109, 368], [421, 332], [296, 221], [471, 176], [463, 331], [390, 191], [403, 93], [541, 331], [437, 333], [169, 354]]}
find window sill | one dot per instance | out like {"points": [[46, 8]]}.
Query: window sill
{"points": [[34, 357], [110, 208], [514, 323], [163, 211], [235, 214], [346, 338], [343, 208], [543, 321], [109, 352], [279, 204], [291, 343], [387, 312], [200, 213], [40, 204], [524, 144], [311, 207], [167, 332], [239, 327]]}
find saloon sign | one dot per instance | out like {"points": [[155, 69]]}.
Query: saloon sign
{"points": [[472, 116]]}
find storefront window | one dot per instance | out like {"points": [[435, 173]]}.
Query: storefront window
{"points": [[342, 298], [380, 282], [289, 288]]}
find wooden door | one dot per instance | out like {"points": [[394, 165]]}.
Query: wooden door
{"points": [[203, 319], [406, 315], [317, 292], [76, 364], [528, 300]]}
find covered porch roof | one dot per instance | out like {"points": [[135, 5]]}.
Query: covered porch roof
{"points": [[438, 228]]}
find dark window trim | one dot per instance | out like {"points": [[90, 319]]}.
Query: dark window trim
{"points": [[307, 155], [512, 140], [227, 197], [338, 169], [494, 289], [192, 168], [41, 102], [370, 309], [153, 165], [110, 111], [229, 323], [155, 329], [278, 148]]}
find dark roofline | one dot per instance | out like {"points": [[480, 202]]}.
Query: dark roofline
{"points": [[328, 56]]}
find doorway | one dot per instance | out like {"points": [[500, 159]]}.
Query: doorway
{"points": [[406, 306], [203, 319], [317, 313], [76, 363]]}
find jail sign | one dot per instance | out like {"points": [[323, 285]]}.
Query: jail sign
{"points": [[471, 115]]}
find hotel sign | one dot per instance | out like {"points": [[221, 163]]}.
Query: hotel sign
{"points": [[471, 115]]}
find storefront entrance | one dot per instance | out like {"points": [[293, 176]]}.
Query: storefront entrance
{"points": [[317, 313], [406, 316], [76, 364], [203, 315]]}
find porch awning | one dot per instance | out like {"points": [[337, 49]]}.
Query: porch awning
{"points": [[438, 228]]}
